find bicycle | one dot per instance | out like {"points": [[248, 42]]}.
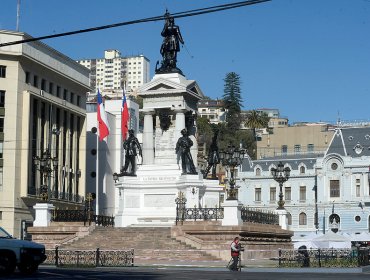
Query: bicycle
{"points": [[239, 266]]}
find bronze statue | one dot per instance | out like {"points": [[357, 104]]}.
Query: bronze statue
{"points": [[213, 157], [170, 46], [132, 147], [183, 146]]}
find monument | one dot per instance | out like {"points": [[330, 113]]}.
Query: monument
{"points": [[169, 146]]}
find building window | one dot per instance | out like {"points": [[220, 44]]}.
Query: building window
{"points": [[35, 81], [288, 193], [43, 84], [65, 94], [78, 100], [258, 171], [334, 166], [289, 218], [302, 219], [273, 194], [302, 170], [358, 187], [1, 149], [58, 91], [2, 71], [51, 88], [284, 149], [302, 193], [2, 98], [28, 77], [257, 194], [334, 188], [72, 97], [297, 149], [310, 148], [1, 124]]}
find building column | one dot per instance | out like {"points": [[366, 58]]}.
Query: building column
{"points": [[179, 123], [148, 138]]}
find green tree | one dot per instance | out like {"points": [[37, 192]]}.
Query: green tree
{"points": [[232, 100], [205, 131]]}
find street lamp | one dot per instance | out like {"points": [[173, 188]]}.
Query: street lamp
{"points": [[281, 175], [231, 158], [46, 164]]}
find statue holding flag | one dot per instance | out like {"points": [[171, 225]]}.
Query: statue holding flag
{"points": [[132, 148]]}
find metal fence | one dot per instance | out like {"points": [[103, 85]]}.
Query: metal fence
{"points": [[203, 214], [259, 216], [87, 217], [200, 214], [324, 258], [89, 258]]}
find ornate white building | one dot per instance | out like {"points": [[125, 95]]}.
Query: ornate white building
{"points": [[328, 191]]}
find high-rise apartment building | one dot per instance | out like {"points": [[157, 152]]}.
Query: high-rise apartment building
{"points": [[111, 72]]}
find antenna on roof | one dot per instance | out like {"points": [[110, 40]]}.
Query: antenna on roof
{"points": [[338, 119], [18, 14]]}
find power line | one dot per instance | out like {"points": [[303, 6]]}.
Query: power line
{"points": [[189, 13]]}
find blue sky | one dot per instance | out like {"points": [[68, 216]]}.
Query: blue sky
{"points": [[309, 59]]}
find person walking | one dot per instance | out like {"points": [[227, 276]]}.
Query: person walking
{"points": [[235, 251]]}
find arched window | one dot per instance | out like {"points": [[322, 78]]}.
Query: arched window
{"points": [[302, 170], [258, 172], [302, 219], [289, 219]]}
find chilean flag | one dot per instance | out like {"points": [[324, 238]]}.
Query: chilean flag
{"points": [[124, 117], [103, 126]]}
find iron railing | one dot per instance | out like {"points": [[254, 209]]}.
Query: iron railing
{"points": [[195, 214], [89, 258], [259, 216], [324, 258], [59, 195], [87, 217]]}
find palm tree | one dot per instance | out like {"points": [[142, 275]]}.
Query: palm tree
{"points": [[255, 120]]}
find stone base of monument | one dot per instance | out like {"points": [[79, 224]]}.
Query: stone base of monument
{"points": [[149, 198]]}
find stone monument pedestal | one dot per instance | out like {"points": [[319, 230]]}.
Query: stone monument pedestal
{"points": [[282, 218], [232, 213], [42, 214]]}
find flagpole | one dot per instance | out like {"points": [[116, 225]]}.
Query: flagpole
{"points": [[103, 132], [97, 176]]}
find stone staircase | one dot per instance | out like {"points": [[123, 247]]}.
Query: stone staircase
{"points": [[152, 246]]}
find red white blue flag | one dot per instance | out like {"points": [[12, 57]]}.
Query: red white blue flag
{"points": [[125, 116], [103, 126]]}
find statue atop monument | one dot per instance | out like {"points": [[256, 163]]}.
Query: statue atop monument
{"points": [[170, 46]]}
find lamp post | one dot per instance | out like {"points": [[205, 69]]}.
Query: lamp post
{"points": [[231, 158], [280, 175], [46, 164]]}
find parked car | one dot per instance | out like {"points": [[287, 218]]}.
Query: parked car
{"points": [[26, 255]]}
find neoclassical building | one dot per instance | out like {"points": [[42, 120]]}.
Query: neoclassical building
{"points": [[42, 130], [328, 191]]}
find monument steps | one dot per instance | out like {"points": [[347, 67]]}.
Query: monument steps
{"points": [[151, 244]]}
